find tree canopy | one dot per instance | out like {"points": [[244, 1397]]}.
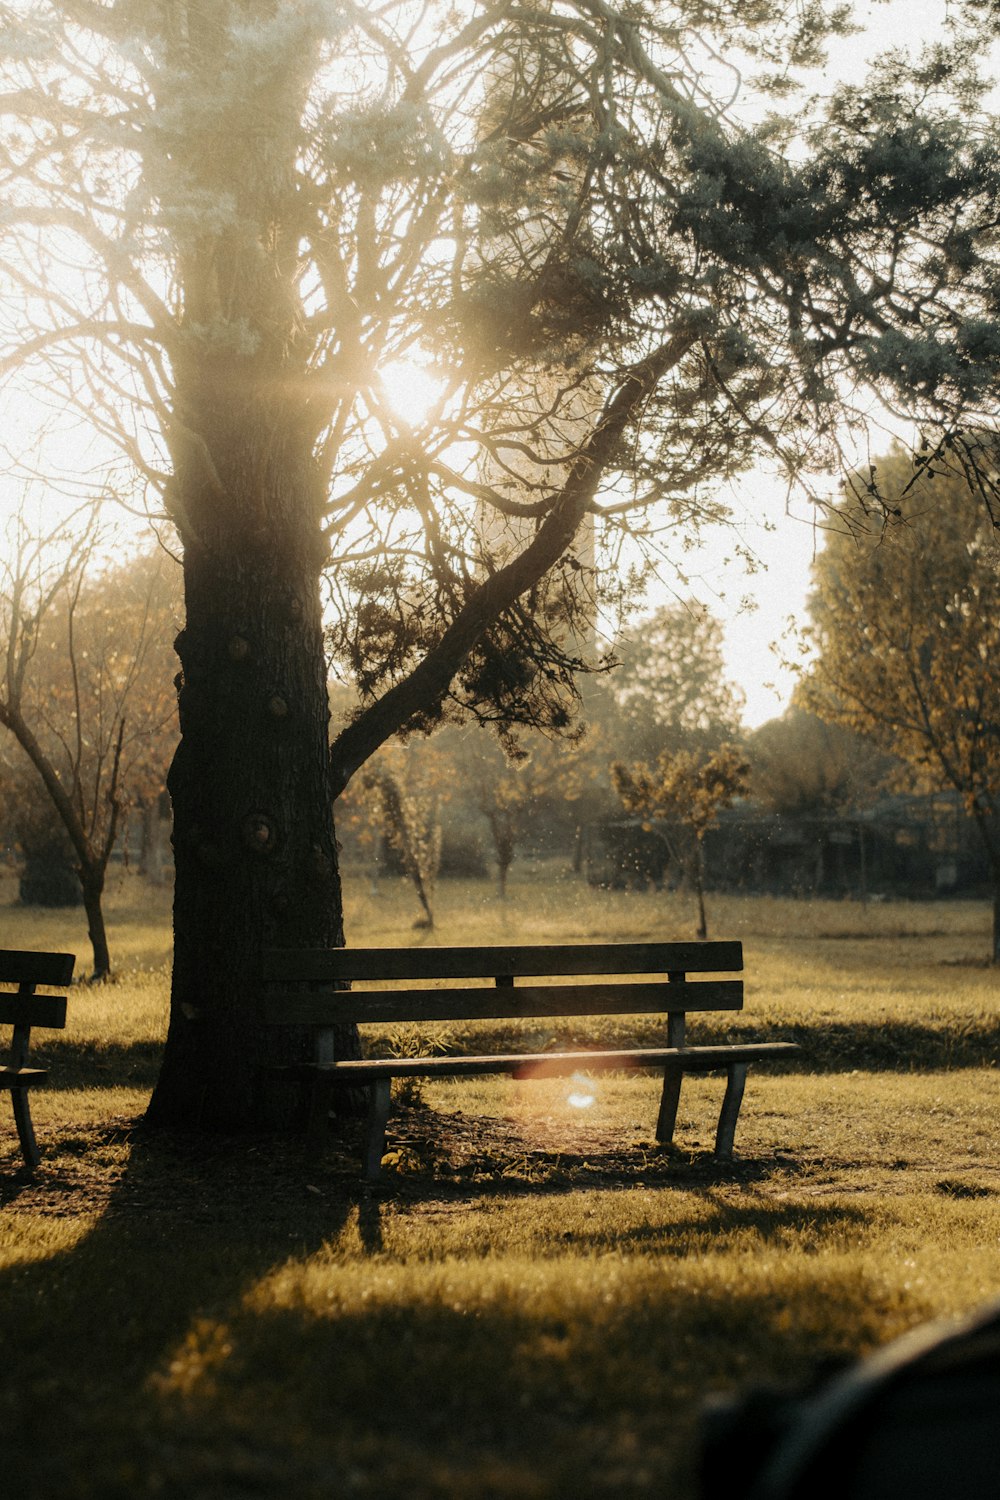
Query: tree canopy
{"points": [[620, 292], [906, 636], [670, 689], [805, 766]]}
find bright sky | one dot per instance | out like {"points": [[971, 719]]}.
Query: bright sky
{"points": [[785, 540], [782, 535]]}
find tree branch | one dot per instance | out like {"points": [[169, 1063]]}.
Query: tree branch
{"points": [[427, 684]]}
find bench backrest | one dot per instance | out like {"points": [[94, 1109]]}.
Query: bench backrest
{"points": [[306, 986], [23, 1008]]}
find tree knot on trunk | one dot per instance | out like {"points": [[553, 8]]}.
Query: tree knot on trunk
{"points": [[260, 833]]}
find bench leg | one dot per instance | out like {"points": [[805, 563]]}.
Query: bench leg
{"points": [[319, 1116], [25, 1128], [669, 1100], [730, 1111], [379, 1097], [319, 1096]]}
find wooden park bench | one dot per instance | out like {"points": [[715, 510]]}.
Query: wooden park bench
{"points": [[310, 988], [22, 1010]]}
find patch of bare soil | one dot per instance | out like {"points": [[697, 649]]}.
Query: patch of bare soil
{"points": [[456, 1156], [119, 1168], [461, 1153]]}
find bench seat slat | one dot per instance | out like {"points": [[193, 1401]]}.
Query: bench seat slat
{"points": [[326, 965], [33, 1010], [302, 1007], [18, 966], [21, 1078], [535, 1064]]}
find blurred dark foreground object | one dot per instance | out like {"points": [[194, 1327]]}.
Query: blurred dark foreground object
{"points": [[919, 1420]]}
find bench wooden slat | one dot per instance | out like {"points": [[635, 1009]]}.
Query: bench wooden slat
{"points": [[326, 965], [22, 1011], [313, 988], [536, 1064], [302, 1007], [21, 1078], [33, 1010], [26, 967]]}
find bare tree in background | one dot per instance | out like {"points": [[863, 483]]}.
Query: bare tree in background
{"points": [[685, 792], [85, 689]]}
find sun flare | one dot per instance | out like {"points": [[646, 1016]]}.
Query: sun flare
{"points": [[410, 389]]}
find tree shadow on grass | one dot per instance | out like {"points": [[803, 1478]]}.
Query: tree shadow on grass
{"points": [[887, 1046], [504, 1390], [228, 1322], [879, 1045], [170, 1239], [84, 1064]]}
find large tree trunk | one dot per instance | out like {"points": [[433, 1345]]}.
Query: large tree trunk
{"points": [[256, 382], [254, 848], [254, 851]]}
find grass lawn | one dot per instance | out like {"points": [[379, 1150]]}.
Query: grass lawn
{"points": [[538, 1299]]}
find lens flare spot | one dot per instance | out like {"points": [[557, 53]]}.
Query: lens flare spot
{"points": [[581, 1094]]}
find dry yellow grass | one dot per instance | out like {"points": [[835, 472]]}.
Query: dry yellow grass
{"points": [[538, 1299]]}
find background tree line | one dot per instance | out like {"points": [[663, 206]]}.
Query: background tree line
{"points": [[661, 737]]}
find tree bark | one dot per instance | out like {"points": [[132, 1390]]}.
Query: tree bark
{"points": [[255, 857], [254, 848], [699, 886]]}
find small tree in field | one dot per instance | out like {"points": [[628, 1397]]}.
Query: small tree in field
{"points": [[405, 797], [513, 786], [505, 801], [686, 792]]}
